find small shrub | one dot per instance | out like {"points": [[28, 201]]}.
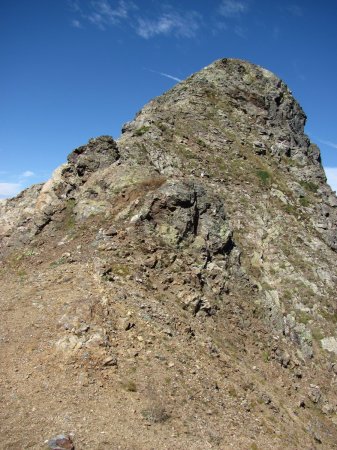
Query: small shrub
{"points": [[266, 356], [309, 186], [58, 262], [290, 209], [304, 202], [201, 143], [156, 413], [303, 317], [264, 176], [317, 334], [287, 295], [22, 274], [142, 130]]}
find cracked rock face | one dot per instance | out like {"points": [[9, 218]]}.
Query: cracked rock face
{"points": [[97, 154], [187, 269]]}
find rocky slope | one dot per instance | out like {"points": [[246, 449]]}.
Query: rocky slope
{"points": [[176, 288]]}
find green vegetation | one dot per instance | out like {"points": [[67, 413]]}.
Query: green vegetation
{"points": [[25, 254], [317, 334], [290, 209], [309, 186], [69, 220], [29, 252], [21, 274], [304, 202], [264, 176], [58, 262], [287, 295], [142, 130], [266, 356], [303, 317], [120, 269], [331, 317], [201, 143]]}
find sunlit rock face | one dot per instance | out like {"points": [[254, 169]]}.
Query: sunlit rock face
{"points": [[186, 270]]}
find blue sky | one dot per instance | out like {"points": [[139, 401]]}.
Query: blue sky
{"points": [[76, 69]]}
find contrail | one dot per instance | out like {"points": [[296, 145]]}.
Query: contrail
{"points": [[164, 74], [329, 143]]}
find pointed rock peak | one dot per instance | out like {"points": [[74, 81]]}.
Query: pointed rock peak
{"points": [[100, 152]]}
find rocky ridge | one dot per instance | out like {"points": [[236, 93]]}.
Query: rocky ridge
{"points": [[183, 276]]}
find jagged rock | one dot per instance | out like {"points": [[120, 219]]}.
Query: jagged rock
{"points": [[314, 393], [97, 154], [330, 344], [199, 252]]}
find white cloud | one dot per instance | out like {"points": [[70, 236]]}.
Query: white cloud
{"points": [[328, 143], [28, 173], [232, 8], [76, 23], [147, 24], [295, 10], [97, 20], [169, 23], [104, 14], [9, 189], [74, 5], [331, 174]]}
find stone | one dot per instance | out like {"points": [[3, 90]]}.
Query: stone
{"points": [[61, 442], [314, 393], [69, 343], [110, 361], [111, 232], [329, 344], [332, 201]]}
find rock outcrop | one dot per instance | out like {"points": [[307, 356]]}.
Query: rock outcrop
{"points": [[177, 287]]}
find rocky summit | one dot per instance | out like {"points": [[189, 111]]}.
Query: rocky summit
{"points": [[176, 288]]}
